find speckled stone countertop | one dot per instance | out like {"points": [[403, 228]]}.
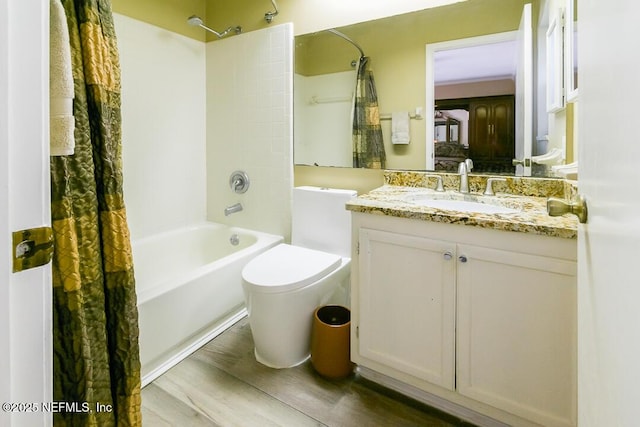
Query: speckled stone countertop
{"points": [[530, 216]]}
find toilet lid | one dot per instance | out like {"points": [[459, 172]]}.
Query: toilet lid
{"points": [[287, 267]]}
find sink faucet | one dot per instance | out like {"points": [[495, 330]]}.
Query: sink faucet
{"points": [[232, 209], [463, 169]]}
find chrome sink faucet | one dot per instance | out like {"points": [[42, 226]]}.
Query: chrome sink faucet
{"points": [[463, 169]]}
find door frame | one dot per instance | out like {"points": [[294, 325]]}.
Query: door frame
{"points": [[431, 50]]}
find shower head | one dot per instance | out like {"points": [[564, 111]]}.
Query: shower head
{"points": [[196, 21], [271, 14]]}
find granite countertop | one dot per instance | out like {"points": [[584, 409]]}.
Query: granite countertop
{"points": [[531, 215]]}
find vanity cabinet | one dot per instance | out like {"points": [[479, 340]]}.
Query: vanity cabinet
{"points": [[484, 319]]}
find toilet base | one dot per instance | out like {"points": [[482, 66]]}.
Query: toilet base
{"points": [[262, 361], [281, 321]]}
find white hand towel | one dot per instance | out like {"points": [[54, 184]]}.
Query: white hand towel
{"points": [[61, 92], [400, 127]]}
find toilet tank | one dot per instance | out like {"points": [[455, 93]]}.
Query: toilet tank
{"points": [[320, 220]]}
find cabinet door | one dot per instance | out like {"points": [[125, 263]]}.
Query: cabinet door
{"points": [[516, 342], [406, 304], [503, 147], [492, 133], [479, 132]]}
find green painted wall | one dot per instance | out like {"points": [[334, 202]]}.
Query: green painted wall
{"points": [[168, 14]]}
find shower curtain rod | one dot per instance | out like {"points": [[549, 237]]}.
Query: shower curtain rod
{"points": [[339, 34]]}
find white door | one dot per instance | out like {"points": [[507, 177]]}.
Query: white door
{"points": [[524, 93], [608, 245], [25, 297]]}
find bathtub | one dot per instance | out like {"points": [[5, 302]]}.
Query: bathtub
{"points": [[189, 288]]}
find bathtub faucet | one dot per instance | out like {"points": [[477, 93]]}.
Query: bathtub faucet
{"points": [[232, 209]]}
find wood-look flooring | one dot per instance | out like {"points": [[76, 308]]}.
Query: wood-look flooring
{"points": [[221, 384]]}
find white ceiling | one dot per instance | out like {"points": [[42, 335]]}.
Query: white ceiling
{"points": [[477, 63]]}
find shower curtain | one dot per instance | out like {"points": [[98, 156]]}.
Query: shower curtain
{"points": [[368, 147], [95, 319]]}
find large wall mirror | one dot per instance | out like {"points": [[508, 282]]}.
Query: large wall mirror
{"points": [[397, 48]]}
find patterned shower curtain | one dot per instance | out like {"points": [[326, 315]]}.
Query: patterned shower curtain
{"points": [[368, 147], [95, 319]]}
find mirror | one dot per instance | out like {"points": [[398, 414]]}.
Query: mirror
{"points": [[571, 50], [476, 77], [324, 80], [555, 99]]}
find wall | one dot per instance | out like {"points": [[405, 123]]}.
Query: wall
{"points": [[250, 127], [309, 15], [168, 14], [361, 180], [163, 127], [475, 89]]}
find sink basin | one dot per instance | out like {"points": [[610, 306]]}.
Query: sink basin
{"points": [[460, 205]]}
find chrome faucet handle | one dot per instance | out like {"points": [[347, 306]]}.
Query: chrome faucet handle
{"points": [[489, 190], [469, 164], [439, 186]]}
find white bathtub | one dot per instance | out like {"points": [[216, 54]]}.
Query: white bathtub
{"points": [[189, 288]]}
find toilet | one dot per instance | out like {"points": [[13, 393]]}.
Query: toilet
{"points": [[284, 285]]}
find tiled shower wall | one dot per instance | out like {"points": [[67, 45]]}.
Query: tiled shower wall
{"points": [[192, 113], [163, 127], [250, 127]]}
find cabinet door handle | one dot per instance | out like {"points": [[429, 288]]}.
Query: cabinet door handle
{"points": [[462, 258], [447, 255]]}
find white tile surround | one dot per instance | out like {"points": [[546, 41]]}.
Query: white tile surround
{"points": [[192, 113], [317, 143], [163, 127], [250, 127]]}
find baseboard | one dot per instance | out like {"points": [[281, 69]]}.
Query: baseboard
{"points": [[429, 399]]}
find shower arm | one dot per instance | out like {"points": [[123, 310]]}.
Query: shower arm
{"points": [[194, 20], [270, 15], [236, 30], [339, 34]]}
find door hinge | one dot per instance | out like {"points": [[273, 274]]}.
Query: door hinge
{"points": [[358, 248], [357, 331], [32, 248]]}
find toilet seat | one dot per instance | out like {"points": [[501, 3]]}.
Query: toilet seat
{"points": [[286, 267]]}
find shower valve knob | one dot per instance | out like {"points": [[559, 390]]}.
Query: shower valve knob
{"points": [[239, 182]]}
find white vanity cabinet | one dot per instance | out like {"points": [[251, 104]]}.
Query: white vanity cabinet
{"points": [[483, 319]]}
